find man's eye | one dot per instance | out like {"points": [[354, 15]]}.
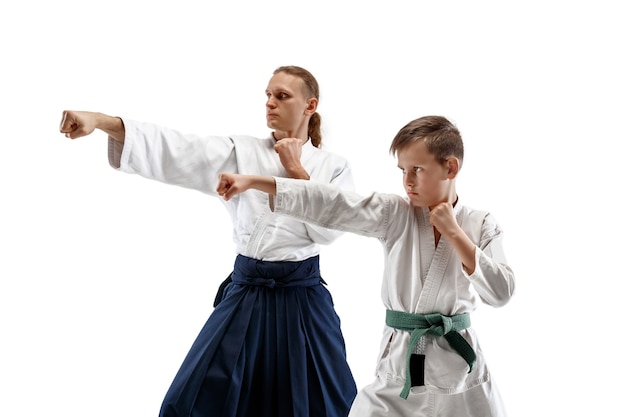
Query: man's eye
{"points": [[281, 95]]}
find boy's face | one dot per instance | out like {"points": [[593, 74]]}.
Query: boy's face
{"points": [[426, 181]]}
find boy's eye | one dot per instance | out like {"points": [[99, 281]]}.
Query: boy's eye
{"points": [[414, 169], [281, 95]]}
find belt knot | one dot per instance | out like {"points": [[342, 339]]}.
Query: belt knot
{"points": [[437, 325]]}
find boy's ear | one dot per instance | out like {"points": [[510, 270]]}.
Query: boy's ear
{"points": [[453, 167]]}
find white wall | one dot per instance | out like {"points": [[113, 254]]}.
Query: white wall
{"points": [[106, 278]]}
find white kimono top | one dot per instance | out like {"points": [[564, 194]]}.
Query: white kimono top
{"points": [[419, 277], [194, 162]]}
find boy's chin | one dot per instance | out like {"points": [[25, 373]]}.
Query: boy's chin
{"points": [[417, 203]]}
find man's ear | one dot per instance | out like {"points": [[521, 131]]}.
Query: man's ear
{"points": [[311, 106], [453, 166]]}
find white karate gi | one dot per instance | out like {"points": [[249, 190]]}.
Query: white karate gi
{"points": [[194, 162], [419, 277]]}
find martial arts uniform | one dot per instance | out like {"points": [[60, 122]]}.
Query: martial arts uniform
{"points": [[425, 280], [273, 345]]}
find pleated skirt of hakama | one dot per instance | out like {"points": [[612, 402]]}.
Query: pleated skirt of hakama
{"points": [[272, 347]]}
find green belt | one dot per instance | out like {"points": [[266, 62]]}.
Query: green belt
{"points": [[437, 325]]}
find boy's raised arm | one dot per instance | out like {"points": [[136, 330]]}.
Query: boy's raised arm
{"points": [[230, 185]]}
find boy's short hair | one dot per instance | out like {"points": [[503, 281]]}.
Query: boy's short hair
{"points": [[441, 136]]}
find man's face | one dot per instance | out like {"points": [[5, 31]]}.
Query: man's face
{"points": [[286, 107]]}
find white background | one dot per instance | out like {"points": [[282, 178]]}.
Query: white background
{"points": [[106, 278]]}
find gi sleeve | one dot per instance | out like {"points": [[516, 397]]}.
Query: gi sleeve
{"points": [[329, 206], [343, 179], [493, 278], [169, 156]]}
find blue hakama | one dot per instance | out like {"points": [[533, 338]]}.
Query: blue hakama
{"points": [[272, 347]]}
